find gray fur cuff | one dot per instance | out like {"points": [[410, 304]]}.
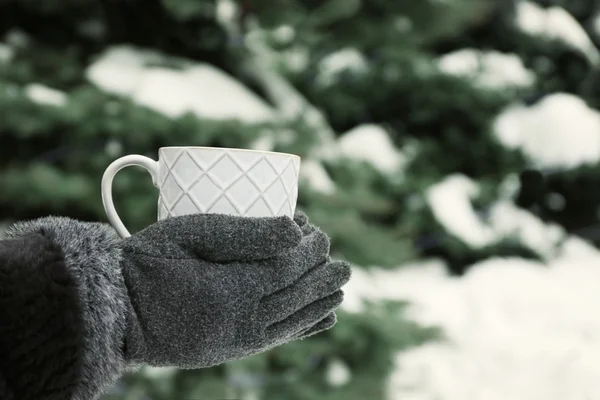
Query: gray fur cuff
{"points": [[93, 258]]}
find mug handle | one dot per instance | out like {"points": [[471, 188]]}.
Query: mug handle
{"points": [[107, 179]]}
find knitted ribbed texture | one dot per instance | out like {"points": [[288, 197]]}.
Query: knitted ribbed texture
{"points": [[41, 330]]}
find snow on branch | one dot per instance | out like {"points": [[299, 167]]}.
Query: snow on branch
{"points": [[556, 23]]}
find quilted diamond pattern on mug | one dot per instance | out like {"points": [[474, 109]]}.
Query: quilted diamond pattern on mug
{"points": [[183, 205], [225, 172], [276, 196], [245, 160], [227, 182], [279, 162], [207, 159], [242, 194], [262, 175], [223, 206], [187, 170], [288, 177], [285, 209], [170, 191], [163, 212], [205, 192], [258, 209]]}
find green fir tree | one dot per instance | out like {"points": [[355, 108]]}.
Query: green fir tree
{"points": [[326, 68]]}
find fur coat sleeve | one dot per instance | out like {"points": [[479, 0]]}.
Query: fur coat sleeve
{"points": [[62, 310]]}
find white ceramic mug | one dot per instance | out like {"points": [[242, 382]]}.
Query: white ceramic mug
{"points": [[213, 180]]}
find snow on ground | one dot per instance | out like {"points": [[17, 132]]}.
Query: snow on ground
{"points": [[371, 143], [560, 131], [555, 23], [488, 69], [515, 329], [198, 88]]}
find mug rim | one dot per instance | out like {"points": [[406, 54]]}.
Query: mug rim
{"points": [[231, 149]]}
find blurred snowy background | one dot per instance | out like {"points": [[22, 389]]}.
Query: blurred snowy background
{"points": [[451, 149]]}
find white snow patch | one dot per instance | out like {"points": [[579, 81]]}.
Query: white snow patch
{"points": [[167, 91], [347, 59], [403, 24], [263, 143], [42, 94], [17, 38], [577, 249], [270, 138], [198, 88], [489, 69], [515, 329], [316, 176], [509, 187], [419, 280], [449, 201], [338, 373], [555, 23], [284, 33], [509, 221], [226, 11], [450, 204], [114, 148], [296, 59], [371, 143], [560, 131], [527, 333], [118, 70]]}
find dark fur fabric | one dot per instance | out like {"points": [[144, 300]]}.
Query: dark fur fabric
{"points": [[41, 326], [5, 392], [91, 259]]}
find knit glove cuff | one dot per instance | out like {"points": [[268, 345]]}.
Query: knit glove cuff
{"points": [[92, 259]]}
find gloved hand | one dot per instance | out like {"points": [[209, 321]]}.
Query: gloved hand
{"points": [[205, 289], [192, 291]]}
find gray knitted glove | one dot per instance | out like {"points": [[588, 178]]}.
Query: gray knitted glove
{"points": [[205, 289]]}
